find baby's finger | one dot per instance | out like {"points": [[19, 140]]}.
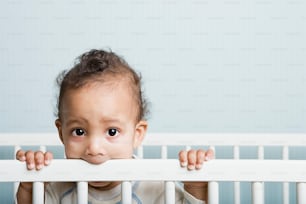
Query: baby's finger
{"points": [[39, 159], [210, 154], [183, 158], [192, 157], [30, 160], [20, 155], [48, 158], [200, 158]]}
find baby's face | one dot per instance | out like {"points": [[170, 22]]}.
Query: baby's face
{"points": [[98, 122]]}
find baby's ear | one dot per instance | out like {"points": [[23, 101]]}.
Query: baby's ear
{"points": [[140, 132], [58, 124]]}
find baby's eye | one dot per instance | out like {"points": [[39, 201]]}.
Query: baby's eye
{"points": [[78, 132], [112, 132]]}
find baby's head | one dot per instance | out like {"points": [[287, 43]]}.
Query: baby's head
{"points": [[101, 66], [101, 109]]}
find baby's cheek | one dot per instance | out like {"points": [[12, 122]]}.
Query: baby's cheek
{"points": [[73, 150], [124, 151]]}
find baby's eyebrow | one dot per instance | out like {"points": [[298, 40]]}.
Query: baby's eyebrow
{"points": [[111, 120], [76, 121]]}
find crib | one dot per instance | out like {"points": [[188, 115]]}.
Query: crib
{"points": [[257, 171]]}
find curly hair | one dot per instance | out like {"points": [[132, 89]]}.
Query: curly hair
{"points": [[96, 65]]}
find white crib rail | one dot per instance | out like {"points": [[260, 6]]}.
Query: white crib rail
{"points": [[255, 171], [227, 139]]}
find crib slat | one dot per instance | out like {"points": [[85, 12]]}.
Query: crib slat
{"points": [[126, 192], [257, 193], [236, 152], [213, 187], [169, 192], [16, 184], [259, 186], [261, 153], [164, 152], [285, 152], [140, 151], [43, 148], [38, 193], [213, 192], [82, 188], [285, 193], [237, 192], [301, 195]]}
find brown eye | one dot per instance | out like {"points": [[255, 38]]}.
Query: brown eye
{"points": [[78, 132], [112, 132]]}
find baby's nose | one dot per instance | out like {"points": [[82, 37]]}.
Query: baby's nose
{"points": [[96, 146]]}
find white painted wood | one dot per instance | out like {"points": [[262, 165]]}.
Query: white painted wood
{"points": [[139, 152], [82, 188], [38, 193], [285, 151], [149, 170], [164, 152], [126, 192], [301, 195], [257, 193], [236, 153], [213, 192], [169, 192]]}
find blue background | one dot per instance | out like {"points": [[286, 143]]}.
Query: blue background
{"points": [[207, 66]]}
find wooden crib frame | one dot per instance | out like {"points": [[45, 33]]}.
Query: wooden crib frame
{"points": [[256, 171]]}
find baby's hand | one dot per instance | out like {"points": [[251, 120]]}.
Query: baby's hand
{"points": [[34, 160], [193, 159]]}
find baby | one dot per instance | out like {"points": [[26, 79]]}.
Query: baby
{"points": [[102, 116]]}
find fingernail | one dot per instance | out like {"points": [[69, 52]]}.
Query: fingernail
{"points": [[39, 166], [22, 158], [184, 164], [207, 158], [47, 162], [30, 166], [198, 166], [191, 167]]}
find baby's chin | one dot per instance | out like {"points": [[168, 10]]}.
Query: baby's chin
{"points": [[103, 185]]}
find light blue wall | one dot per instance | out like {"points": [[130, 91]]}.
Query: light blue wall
{"points": [[229, 66], [208, 66]]}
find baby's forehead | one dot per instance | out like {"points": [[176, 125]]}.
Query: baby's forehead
{"points": [[118, 85], [111, 82]]}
